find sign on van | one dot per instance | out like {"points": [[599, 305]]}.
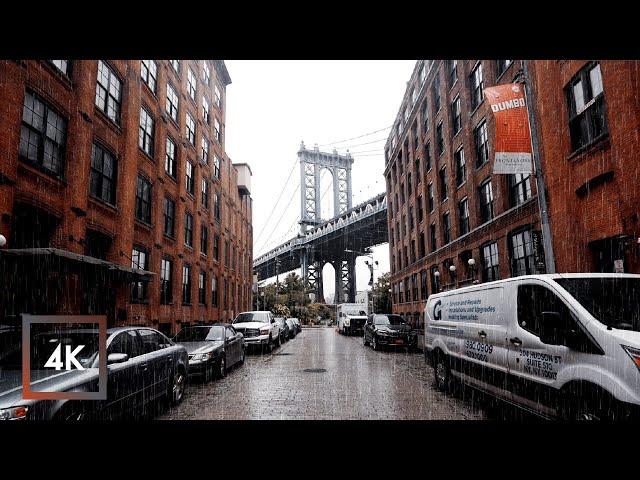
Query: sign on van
{"points": [[476, 307]]}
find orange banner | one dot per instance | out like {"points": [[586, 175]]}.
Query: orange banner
{"points": [[513, 137]]}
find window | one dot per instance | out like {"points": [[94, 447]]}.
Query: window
{"points": [[430, 194], [463, 215], [409, 185], [216, 248], [204, 153], [422, 75], [427, 157], [186, 284], [166, 278], [43, 135], [486, 201], [456, 116], [421, 245], [139, 260], [191, 129], [143, 200], [436, 93], [489, 257], [402, 192], [202, 283], [149, 73], [216, 207], [440, 139], [227, 252], [217, 97], [519, 188], [204, 239], [425, 117], [61, 65], [216, 131], [214, 292], [420, 209], [435, 279], [434, 238], [175, 64], [461, 168], [189, 178], [170, 158], [521, 253], [401, 291], [172, 102], [169, 217], [108, 92], [587, 119], [206, 72], [501, 66], [405, 115], [104, 170], [191, 84], [414, 95], [146, 132], [446, 228], [416, 168], [443, 184], [205, 110], [477, 85], [205, 192], [453, 72], [411, 223], [414, 135], [188, 229], [481, 143], [216, 166], [423, 285], [414, 284]]}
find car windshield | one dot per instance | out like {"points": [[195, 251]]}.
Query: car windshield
{"points": [[199, 334], [388, 320], [262, 317], [613, 301]]}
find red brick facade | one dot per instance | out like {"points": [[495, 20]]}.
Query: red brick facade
{"points": [[65, 195], [409, 174], [594, 192]]}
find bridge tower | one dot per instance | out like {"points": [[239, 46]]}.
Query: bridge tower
{"points": [[311, 262]]}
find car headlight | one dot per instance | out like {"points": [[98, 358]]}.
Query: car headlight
{"points": [[13, 413], [634, 353], [202, 357], [264, 331]]}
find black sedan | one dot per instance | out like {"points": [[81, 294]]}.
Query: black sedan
{"points": [[388, 330], [212, 349], [143, 366]]}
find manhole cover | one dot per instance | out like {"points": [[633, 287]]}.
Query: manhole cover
{"points": [[283, 353], [315, 370]]}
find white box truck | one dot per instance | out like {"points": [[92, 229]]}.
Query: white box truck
{"points": [[351, 317]]}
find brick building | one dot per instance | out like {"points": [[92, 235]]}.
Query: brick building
{"points": [[116, 195], [588, 116], [444, 205]]}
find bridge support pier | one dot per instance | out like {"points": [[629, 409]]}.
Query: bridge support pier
{"points": [[345, 280]]}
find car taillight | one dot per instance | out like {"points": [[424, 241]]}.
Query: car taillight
{"points": [[634, 353]]}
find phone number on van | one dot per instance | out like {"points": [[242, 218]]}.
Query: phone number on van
{"points": [[478, 350]]}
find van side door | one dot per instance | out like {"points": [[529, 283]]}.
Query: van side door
{"points": [[534, 364]]}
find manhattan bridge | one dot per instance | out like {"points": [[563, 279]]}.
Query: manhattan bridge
{"points": [[338, 240]]}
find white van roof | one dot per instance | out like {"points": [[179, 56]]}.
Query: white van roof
{"points": [[546, 276]]}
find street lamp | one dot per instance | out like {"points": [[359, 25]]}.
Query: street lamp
{"points": [[472, 268], [371, 266], [3, 241], [436, 275]]}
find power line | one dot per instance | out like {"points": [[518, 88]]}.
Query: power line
{"points": [[354, 138]]}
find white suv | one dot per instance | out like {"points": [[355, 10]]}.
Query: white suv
{"points": [[258, 328]]}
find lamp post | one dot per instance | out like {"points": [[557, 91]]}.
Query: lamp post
{"points": [[452, 271], [436, 275], [472, 268], [371, 266], [3, 241]]}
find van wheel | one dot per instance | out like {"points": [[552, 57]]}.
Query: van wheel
{"points": [[441, 373], [587, 405]]}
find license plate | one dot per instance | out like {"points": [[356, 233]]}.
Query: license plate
{"points": [[399, 341]]}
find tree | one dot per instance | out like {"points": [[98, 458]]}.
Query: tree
{"points": [[381, 294], [280, 310]]}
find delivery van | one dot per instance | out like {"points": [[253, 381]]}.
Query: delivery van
{"points": [[351, 317], [559, 345]]}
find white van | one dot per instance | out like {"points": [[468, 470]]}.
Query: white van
{"points": [[561, 345], [351, 317]]}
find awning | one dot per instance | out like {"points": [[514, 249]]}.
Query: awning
{"points": [[76, 258]]}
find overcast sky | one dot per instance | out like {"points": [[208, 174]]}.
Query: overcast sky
{"points": [[273, 105]]}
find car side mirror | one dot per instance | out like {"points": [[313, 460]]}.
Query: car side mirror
{"points": [[117, 358], [550, 332]]}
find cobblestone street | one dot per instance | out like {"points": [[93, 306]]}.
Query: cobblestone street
{"points": [[322, 375]]}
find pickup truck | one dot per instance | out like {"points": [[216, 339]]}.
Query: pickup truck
{"points": [[259, 328]]}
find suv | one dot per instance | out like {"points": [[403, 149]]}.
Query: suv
{"points": [[258, 328]]}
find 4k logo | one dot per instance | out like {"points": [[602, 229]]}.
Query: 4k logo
{"points": [[55, 360]]}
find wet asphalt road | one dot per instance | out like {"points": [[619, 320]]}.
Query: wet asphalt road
{"points": [[357, 383]]}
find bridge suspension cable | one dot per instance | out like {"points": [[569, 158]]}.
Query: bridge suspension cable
{"points": [[355, 138]]}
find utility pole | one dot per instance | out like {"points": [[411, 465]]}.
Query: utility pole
{"points": [[549, 259]]}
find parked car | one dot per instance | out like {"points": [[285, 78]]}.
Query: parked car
{"points": [[259, 328], [212, 349], [388, 330], [296, 321], [292, 329], [143, 366], [284, 329], [560, 345]]}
